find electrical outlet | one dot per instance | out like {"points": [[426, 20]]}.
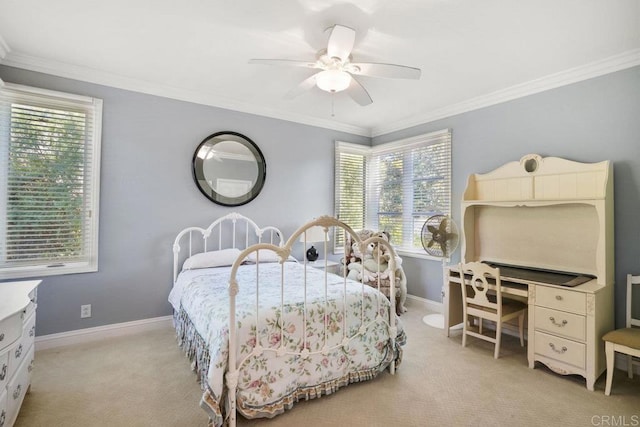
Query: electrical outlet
{"points": [[85, 311]]}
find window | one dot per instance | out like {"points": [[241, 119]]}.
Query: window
{"points": [[350, 173], [49, 182], [403, 183]]}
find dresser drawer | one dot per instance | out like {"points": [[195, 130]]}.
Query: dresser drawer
{"points": [[561, 323], [19, 351], [4, 421], [561, 299], [19, 384], [10, 330], [560, 349], [29, 309], [4, 369]]}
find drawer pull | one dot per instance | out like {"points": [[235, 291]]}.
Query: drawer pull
{"points": [[3, 416], [17, 391], [559, 297], [19, 351], [553, 347], [553, 320], [32, 331], [30, 367], [3, 373], [2, 337]]}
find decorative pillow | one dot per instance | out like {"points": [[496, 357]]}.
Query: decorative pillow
{"points": [[221, 258], [265, 256]]}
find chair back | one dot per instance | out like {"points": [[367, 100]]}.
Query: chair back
{"points": [[480, 276], [633, 284]]}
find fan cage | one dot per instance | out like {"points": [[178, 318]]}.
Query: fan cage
{"points": [[439, 236]]}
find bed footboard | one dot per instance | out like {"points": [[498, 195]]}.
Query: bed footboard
{"points": [[349, 314]]}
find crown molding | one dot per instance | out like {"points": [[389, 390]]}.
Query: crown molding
{"points": [[60, 69], [608, 65]]}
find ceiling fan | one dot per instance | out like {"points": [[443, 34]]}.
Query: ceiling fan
{"points": [[338, 72]]}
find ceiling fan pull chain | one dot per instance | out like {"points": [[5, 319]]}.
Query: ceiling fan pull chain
{"points": [[332, 107]]}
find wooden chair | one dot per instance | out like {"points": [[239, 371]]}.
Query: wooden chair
{"points": [[479, 303], [625, 340]]}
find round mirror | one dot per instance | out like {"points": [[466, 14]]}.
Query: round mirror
{"points": [[229, 168]]}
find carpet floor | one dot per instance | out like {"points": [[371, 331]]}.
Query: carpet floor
{"points": [[145, 380]]}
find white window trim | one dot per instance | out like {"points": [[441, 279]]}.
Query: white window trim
{"points": [[404, 144], [62, 98], [346, 147]]}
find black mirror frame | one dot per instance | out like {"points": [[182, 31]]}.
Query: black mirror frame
{"points": [[210, 193]]}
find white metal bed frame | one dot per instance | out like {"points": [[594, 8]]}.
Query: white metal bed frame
{"points": [[283, 250]]}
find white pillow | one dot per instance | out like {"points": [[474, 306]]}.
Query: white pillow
{"points": [[221, 258], [266, 255]]}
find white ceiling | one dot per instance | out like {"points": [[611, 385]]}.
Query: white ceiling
{"points": [[472, 53]]}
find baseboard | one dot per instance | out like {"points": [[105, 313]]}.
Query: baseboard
{"points": [[510, 329], [430, 305], [120, 329], [136, 326], [101, 332]]}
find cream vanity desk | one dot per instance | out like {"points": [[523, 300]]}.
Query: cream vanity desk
{"points": [[17, 334], [548, 223]]}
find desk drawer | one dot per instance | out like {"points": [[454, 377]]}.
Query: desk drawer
{"points": [[561, 349], [561, 299], [561, 323]]}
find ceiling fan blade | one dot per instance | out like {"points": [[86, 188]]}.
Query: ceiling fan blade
{"points": [[304, 86], [358, 93], [341, 42], [284, 62], [390, 71]]}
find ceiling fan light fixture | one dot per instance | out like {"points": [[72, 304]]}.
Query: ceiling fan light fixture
{"points": [[333, 80]]}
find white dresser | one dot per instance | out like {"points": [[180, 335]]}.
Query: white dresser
{"points": [[17, 334]]}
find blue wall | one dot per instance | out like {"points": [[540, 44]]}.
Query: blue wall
{"points": [[589, 121], [148, 195]]}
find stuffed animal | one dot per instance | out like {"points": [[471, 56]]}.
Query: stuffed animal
{"points": [[372, 265]]}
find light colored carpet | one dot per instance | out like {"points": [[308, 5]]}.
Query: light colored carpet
{"points": [[144, 380]]}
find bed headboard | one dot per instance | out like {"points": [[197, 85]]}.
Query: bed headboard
{"points": [[230, 231]]}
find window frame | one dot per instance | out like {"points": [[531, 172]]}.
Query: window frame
{"points": [[352, 149], [15, 93], [371, 195]]}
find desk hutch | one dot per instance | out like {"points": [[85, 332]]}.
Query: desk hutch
{"points": [[547, 214]]}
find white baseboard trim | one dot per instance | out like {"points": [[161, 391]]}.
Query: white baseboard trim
{"points": [[509, 329], [427, 303], [120, 329], [101, 332]]}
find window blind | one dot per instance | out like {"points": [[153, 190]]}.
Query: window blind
{"points": [[350, 175], [409, 181], [394, 187], [49, 182]]}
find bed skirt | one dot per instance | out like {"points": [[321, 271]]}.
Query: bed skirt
{"points": [[197, 351]]}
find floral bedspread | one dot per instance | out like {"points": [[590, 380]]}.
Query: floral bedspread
{"points": [[270, 383]]}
